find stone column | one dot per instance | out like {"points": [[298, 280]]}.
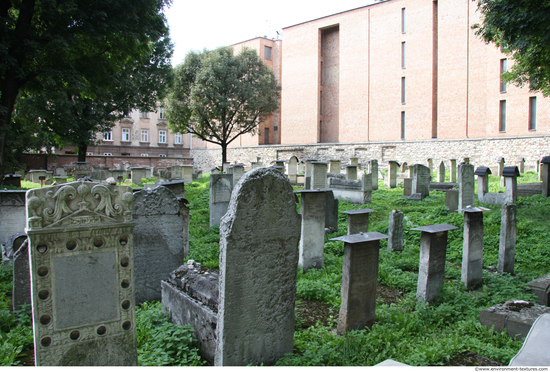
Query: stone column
{"points": [[453, 170], [441, 172], [466, 187], [433, 251], [395, 231], [545, 174], [391, 176], [359, 281], [482, 174], [507, 247], [472, 249], [358, 220], [510, 175], [373, 167], [312, 239], [500, 170], [351, 172], [335, 166], [319, 175]]}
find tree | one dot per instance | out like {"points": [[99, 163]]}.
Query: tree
{"points": [[218, 96], [522, 29], [77, 57]]}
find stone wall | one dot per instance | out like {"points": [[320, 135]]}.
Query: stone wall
{"points": [[482, 152]]}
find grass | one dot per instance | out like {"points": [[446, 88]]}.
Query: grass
{"points": [[406, 331]]}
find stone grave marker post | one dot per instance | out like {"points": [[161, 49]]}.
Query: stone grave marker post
{"points": [[433, 251], [510, 176], [335, 166], [312, 239], [187, 173], [373, 167], [407, 186], [319, 175], [367, 188], [308, 168], [466, 187], [358, 220], [161, 239], [545, 174], [521, 165], [255, 164], [391, 176], [507, 246], [351, 172], [395, 231], [453, 170], [359, 281], [221, 186], [482, 174], [177, 172], [138, 173], [225, 167], [82, 274], [420, 182], [441, 172], [500, 162], [238, 172], [451, 200], [354, 160], [292, 169], [472, 249], [331, 216], [258, 265], [430, 164]]}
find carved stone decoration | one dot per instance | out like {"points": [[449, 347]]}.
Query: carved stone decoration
{"points": [[82, 274]]}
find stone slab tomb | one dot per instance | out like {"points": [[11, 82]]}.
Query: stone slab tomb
{"points": [[161, 239], [259, 239], [82, 274], [221, 186]]}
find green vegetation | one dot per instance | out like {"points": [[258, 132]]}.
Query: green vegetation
{"points": [[411, 333]]}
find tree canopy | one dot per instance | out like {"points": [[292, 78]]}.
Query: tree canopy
{"points": [[522, 29], [75, 65], [218, 96]]}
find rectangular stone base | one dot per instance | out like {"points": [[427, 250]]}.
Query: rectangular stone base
{"points": [[541, 289]]}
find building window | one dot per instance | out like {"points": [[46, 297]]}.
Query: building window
{"points": [[125, 135], [502, 116], [108, 135], [503, 69], [266, 137], [321, 102], [403, 54], [162, 136], [402, 124], [267, 53], [275, 128], [162, 114], [162, 155], [532, 113], [89, 153], [403, 90], [107, 154], [145, 135], [145, 155], [144, 115], [403, 27], [178, 139]]}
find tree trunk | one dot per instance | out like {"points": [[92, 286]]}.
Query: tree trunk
{"points": [[224, 154], [82, 148]]}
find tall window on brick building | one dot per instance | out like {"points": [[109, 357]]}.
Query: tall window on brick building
{"points": [[266, 136], [267, 53], [162, 136], [532, 113], [403, 54], [402, 124], [125, 135], [502, 116], [503, 69], [108, 135], [403, 90], [178, 138], [321, 102], [403, 24], [145, 135]]}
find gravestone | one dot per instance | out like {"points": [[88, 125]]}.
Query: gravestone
{"points": [[501, 162], [407, 186], [510, 175], [215, 170], [176, 172], [395, 231], [308, 168], [34, 175], [507, 246], [312, 239], [466, 186], [255, 164], [545, 175], [433, 252], [391, 176], [187, 173], [82, 274], [420, 182], [319, 175], [21, 292], [430, 164], [354, 160], [138, 174], [541, 289], [441, 172], [359, 281], [176, 186], [238, 172], [331, 216], [358, 220], [367, 187], [161, 239], [256, 300], [482, 174], [472, 248], [451, 200], [226, 167], [521, 165], [292, 169], [335, 166], [351, 172], [81, 169], [12, 213], [453, 170], [373, 167], [221, 186]]}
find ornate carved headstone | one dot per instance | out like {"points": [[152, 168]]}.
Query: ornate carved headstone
{"points": [[256, 299], [82, 275], [161, 239]]}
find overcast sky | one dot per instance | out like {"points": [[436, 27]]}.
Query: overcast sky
{"points": [[196, 25]]}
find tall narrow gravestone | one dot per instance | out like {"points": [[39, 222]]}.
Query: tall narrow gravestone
{"points": [[472, 249], [319, 175], [466, 187], [373, 167], [420, 182], [507, 246], [82, 274], [395, 231], [259, 238], [312, 240], [161, 239], [441, 172], [221, 186]]}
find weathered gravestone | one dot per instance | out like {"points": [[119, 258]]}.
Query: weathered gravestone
{"points": [[451, 200], [441, 172], [12, 213], [335, 165], [466, 186], [238, 172], [453, 170], [82, 274], [221, 186], [138, 174], [395, 231], [507, 246], [358, 220], [312, 239], [256, 300], [161, 239], [373, 168], [292, 169], [319, 175], [390, 180], [21, 292], [331, 216], [420, 182], [472, 248], [351, 172]]}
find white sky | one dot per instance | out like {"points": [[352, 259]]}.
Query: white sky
{"points": [[200, 24]]}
